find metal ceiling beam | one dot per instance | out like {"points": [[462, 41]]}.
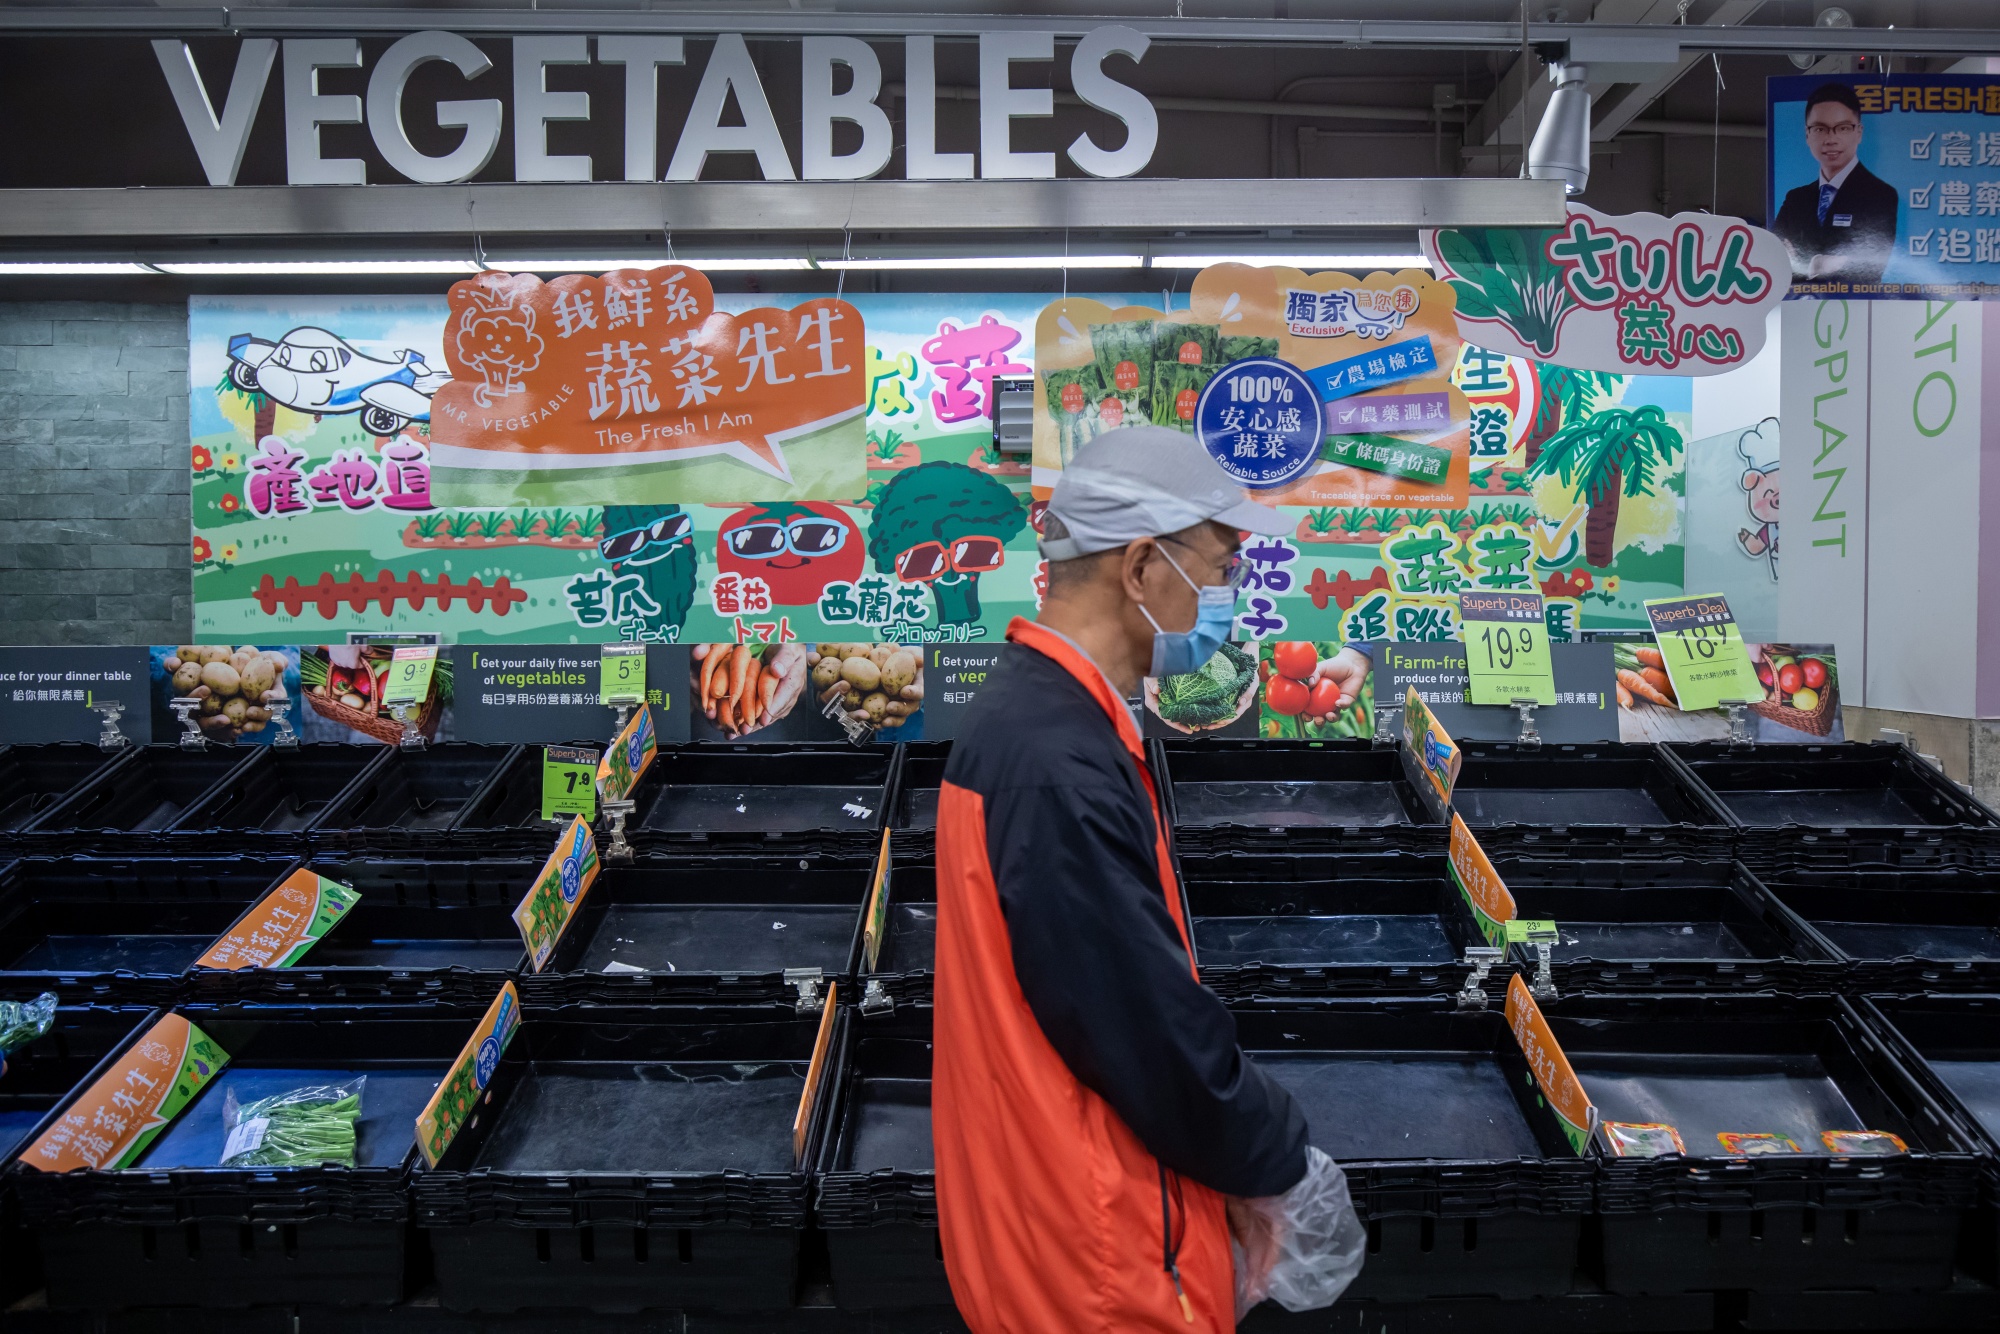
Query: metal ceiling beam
{"points": [[1409, 34], [1610, 120], [747, 208]]}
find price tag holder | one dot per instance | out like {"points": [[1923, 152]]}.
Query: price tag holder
{"points": [[621, 676], [1506, 647], [1525, 930], [569, 782], [1704, 651], [410, 669]]}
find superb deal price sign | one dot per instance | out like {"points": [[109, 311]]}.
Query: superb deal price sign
{"points": [[1506, 648], [1704, 652]]}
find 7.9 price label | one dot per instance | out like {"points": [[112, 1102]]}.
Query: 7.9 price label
{"points": [[569, 782], [1704, 652], [1506, 648]]}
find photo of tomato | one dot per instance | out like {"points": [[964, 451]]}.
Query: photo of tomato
{"points": [[1294, 658], [1790, 678], [1304, 683], [1814, 672], [1286, 696]]}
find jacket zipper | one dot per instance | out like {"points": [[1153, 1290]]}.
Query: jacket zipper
{"points": [[1170, 1249]]}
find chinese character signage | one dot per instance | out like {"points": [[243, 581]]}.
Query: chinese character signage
{"points": [[544, 914], [1887, 185], [1550, 1070], [457, 1096], [283, 925], [1632, 293], [114, 1121]]}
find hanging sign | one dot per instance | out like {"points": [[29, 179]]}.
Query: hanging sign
{"points": [[1704, 653], [1260, 419], [633, 385], [458, 1095], [1550, 1069], [117, 1118], [1631, 293], [283, 925], [1506, 648]]}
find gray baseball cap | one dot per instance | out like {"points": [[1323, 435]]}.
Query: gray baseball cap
{"points": [[1144, 481]]}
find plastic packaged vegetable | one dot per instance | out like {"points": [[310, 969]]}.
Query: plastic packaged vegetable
{"points": [[21, 1022], [302, 1127], [1300, 1249]]}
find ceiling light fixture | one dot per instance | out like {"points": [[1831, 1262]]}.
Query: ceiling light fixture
{"points": [[992, 262], [1561, 148], [735, 264], [1411, 261], [67, 269], [313, 267]]}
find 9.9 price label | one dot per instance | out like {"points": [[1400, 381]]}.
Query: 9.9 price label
{"points": [[1506, 648], [1703, 650]]}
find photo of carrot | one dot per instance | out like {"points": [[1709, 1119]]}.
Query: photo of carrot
{"points": [[1641, 688], [1649, 656], [746, 687]]}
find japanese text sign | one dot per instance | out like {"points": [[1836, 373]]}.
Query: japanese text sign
{"points": [[1506, 647], [283, 925], [1434, 752], [1485, 893], [1635, 293], [458, 1093], [589, 386], [621, 677], [559, 887], [569, 782], [1704, 652], [626, 759], [115, 1120], [1554, 1079], [410, 671]]}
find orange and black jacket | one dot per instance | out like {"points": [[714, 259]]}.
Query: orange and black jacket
{"points": [[1091, 1106]]}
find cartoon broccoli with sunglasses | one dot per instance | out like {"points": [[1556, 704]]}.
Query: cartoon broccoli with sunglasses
{"points": [[944, 524]]}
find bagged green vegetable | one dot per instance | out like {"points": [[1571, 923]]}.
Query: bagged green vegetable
{"points": [[1239, 346], [21, 1022], [303, 1127]]}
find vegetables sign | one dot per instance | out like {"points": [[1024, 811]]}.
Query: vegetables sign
{"points": [[283, 925], [119, 1116], [1548, 1067], [1636, 293]]}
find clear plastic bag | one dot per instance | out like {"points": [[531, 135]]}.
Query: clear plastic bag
{"points": [[21, 1022], [303, 1127], [1300, 1249]]}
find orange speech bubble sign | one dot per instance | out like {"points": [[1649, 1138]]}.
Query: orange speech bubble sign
{"points": [[633, 368]]}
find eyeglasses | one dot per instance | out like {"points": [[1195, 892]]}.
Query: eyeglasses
{"points": [[803, 537], [932, 560], [670, 529], [1234, 568], [1832, 131]]}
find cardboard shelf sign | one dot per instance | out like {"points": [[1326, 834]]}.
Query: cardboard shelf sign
{"points": [[545, 913], [459, 1093], [117, 1118], [1506, 647], [1704, 652], [282, 926], [1554, 1079], [1485, 893], [1433, 752]]}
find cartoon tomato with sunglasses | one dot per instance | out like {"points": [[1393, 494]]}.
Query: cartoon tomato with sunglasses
{"points": [[795, 548]]}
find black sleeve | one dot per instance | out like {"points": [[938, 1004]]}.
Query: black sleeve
{"points": [[1104, 971]]}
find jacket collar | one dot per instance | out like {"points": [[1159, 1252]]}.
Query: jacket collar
{"points": [[1060, 649]]}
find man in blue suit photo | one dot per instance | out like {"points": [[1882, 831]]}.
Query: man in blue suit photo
{"points": [[1843, 224]]}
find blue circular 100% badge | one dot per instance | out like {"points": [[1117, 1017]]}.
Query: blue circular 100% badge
{"points": [[1261, 419]]}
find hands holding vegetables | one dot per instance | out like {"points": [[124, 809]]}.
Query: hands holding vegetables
{"points": [[743, 687], [1319, 694]]}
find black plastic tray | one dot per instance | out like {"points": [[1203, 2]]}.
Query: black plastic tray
{"points": [[1935, 929], [1764, 1064], [1267, 925], [817, 798], [114, 930], [914, 804], [1291, 796], [631, 1160], [414, 799], [1664, 925], [275, 800], [690, 930], [129, 808], [507, 814], [175, 1231], [1843, 804], [34, 778], [907, 959], [435, 928], [1587, 800]]}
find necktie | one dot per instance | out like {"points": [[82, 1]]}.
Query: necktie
{"points": [[1827, 191]]}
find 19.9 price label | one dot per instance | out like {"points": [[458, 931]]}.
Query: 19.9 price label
{"points": [[1506, 648], [1704, 652]]}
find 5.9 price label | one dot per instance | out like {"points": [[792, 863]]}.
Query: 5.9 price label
{"points": [[1506, 648], [1704, 651]]}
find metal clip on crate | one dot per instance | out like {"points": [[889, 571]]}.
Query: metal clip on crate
{"points": [[191, 737], [1739, 723], [1530, 738], [406, 714], [281, 718], [1480, 959], [808, 982], [1544, 985], [617, 849], [874, 1000], [111, 738]]}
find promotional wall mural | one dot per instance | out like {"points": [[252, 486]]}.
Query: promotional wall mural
{"points": [[319, 479]]}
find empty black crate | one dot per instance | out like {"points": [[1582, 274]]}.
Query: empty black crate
{"points": [[630, 1160], [34, 778], [507, 816], [1269, 925], [1462, 1176], [1293, 797], [877, 1200], [919, 779], [119, 930], [39, 1076], [1728, 1217], [178, 1230], [907, 957], [1585, 800], [283, 791], [414, 797], [1914, 930], [435, 929], [127, 808], [1673, 924], [1842, 805], [824, 798], [684, 929]]}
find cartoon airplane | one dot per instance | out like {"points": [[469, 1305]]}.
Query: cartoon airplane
{"points": [[311, 370]]}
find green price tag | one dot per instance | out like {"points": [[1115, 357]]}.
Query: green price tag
{"points": [[1704, 651], [409, 680], [1506, 647], [1525, 930], [622, 675], [569, 782]]}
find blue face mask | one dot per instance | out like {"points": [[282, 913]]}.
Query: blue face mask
{"points": [[1176, 651]]}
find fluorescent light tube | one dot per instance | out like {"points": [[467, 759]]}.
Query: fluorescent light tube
{"points": [[1294, 261], [736, 264], [228, 268], [64, 268], [991, 262]]}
